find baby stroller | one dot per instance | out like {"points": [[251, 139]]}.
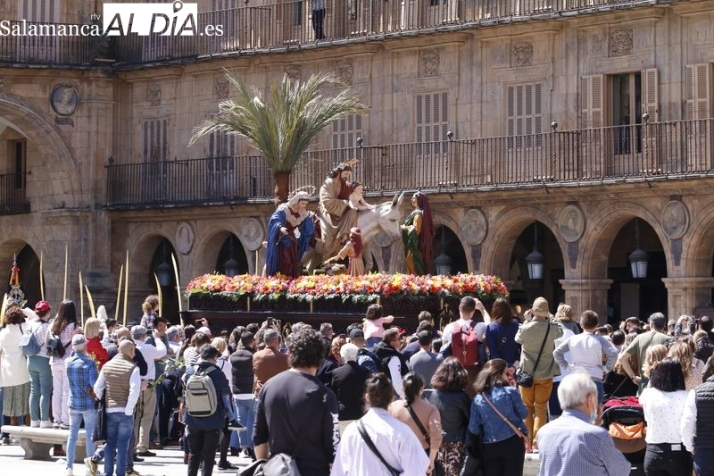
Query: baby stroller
{"points": [[624, 419]]}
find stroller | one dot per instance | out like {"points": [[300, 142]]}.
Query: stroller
{"points": [[624, 419]]}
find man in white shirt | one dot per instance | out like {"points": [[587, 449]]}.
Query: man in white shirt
{"points": [[587, 350], [147, 402], [121, 381]]}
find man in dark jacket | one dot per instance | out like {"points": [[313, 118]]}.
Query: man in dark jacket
{"points": [[387, 351], [349, 384], [242, 380], [204, 432]]}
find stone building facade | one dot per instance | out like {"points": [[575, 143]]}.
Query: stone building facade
{"points": [[588, 120]]}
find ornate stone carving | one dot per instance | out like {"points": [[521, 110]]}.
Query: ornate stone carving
{"points": [[675, 219], [430, 63], [253, 234], [220, 87], [621, 42], [522, 54], [474, 226], [153, 94], [64, 99], [185, 238], [571, 223], [294, 72], [345, 71]]}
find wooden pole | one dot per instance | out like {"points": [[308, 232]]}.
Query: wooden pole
{"points": [[66, 263], [81, 298], [126, 286], [42, 279], [161, 297], [118, 303], [257, 253], [178, 284], [90, 301]]}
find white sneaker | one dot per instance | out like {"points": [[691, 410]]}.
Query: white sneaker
{"points": [[69, 472], [34, 423], [45, 424]]}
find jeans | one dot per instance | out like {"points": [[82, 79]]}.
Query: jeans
{"points": [[246, 416], [504, 458], [40, 387], [202, 446], [600, 390], [75, 421], [703, 462], [661, 460], [536, 401], [553, 404], [60, 394], [167, 402], [119, 430]]}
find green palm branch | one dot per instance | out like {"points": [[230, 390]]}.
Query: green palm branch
{"points": [[282, 129]]}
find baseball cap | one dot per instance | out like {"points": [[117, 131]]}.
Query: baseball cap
{"points": [[42, 306], [540, 306], [356, 334], [79, 342]]}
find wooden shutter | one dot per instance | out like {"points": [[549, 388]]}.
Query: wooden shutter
{"points": [[345, 131], [155, 144], [650, 94], [591, 101], [419, 119], [697, 87], [221, 144]]}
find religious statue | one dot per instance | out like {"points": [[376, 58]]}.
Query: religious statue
{"points": [[290, 232], [352, 250], [418, 235], [335, 208]]}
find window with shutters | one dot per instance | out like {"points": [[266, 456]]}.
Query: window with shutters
{"points": [[221, 144], [626, 95], [432, 122], [39, 47], [225, 13], [155, 144], [698, 92], [525, 115], [155, 45], [221, 164], [345, 132]]}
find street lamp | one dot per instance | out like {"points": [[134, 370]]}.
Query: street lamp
{"points": [[639, 257], [231, 266], [164, 271], [442, 263], [535, 260]]}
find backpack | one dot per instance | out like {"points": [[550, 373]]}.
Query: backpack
{"points": [[371, 363], [201, 401], [465, 344], [28, 343], [55, 347]]}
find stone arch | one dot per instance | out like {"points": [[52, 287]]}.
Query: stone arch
{"points": [[503, 233], [601, 230], [48, 141], [698, 246], [208, 244], [442, 219], [141, 254]]}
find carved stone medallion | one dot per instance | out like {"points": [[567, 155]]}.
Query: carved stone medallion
{"points": [[430, 63], [675, 219], [474, 226], [64, 99], [345, 71], [571, 223], [522, 54], [621, 42], [221, 87], [294, 72], [185, 238], [253, 234], [153, 95]]}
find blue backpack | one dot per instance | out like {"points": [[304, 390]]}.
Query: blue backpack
{"points": [[28, 343]]}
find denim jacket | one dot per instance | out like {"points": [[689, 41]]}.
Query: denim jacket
{"points": [[509, 403]]}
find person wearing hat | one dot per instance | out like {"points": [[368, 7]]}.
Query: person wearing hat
{"points": [[82, 374], [352, 250], [40, 370], [536, 333], [147, 401], [289, 235]]}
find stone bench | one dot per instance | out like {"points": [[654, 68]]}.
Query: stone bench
{"points": [[37, 442]]}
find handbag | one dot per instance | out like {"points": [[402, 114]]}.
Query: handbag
{"points": [[513, 427], [525, 379], [370, 445], [439, 469], [100, 428], [279, 464], [473, 446]]}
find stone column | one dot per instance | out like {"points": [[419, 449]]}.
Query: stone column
{"points": [[583, 294], [684, 294]]}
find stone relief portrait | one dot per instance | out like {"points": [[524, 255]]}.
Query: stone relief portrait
{"points": [[675, 219], [474, 226], [253, 234], [571, 223], [64, 99], [185, 238]]}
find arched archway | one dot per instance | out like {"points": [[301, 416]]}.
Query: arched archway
{"points": [[447, 243], [231, 249]]}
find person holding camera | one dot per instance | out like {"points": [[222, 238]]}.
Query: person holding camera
{"points": [[537, 337]]}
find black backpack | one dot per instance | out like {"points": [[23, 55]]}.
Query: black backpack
{"points": [[374, 364], [55, 347]]}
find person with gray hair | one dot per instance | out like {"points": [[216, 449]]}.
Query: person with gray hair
{"points": [[638, 347], [573, 444], [348, 383], [269, 361]]}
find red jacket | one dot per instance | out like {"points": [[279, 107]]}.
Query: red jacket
{"points": [[96, 351]]}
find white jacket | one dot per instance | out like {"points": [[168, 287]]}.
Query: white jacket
{"points": [[14, 364]]}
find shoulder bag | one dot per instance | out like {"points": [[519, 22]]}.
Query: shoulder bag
{"points": [[513, 427], [370, 444], [525, 379], [439, 469]]}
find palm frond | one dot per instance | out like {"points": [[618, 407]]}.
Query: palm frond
{"points": [[282, 128]]}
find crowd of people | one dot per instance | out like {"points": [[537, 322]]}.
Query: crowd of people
{"points": [[470, 398]]}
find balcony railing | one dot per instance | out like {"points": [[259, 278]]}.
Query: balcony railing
{"points": [[284, 26], [12, 195], [606, 155]]}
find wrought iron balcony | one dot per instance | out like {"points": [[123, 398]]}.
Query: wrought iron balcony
{"points": [[12, 195], [282, 27], [608, 155]]}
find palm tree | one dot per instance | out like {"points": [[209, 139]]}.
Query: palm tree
{"points": [[282, 129]]}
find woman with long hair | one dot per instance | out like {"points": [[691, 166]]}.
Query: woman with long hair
{"points": [[692, 367], [450, 398], [503, 448], [653, 356], [418, 235], [64, 326], [419, 415], [501, 334], [663, 402]]}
